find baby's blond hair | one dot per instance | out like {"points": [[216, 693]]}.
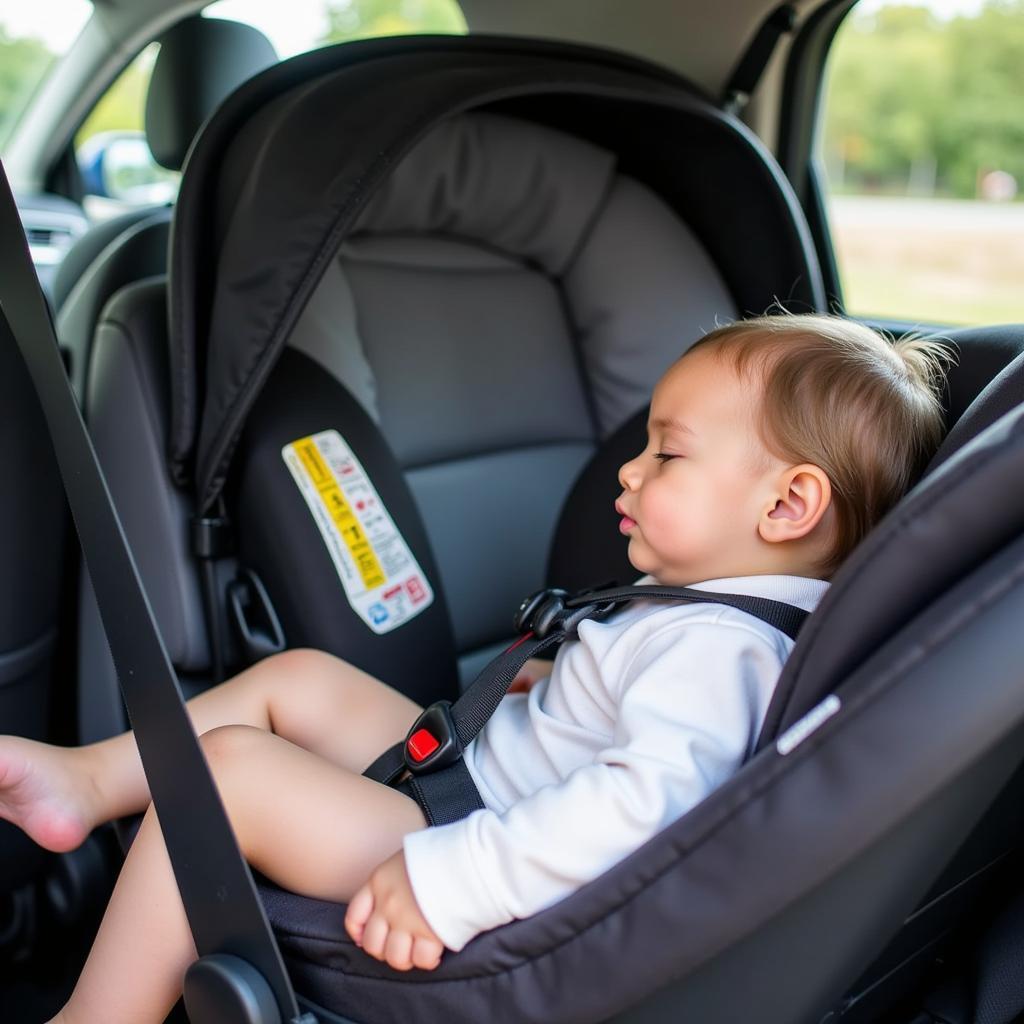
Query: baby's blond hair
{"points": [[862, 407]]}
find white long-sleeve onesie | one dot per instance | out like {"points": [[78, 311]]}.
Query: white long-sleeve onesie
{"points": [[640, 719]]}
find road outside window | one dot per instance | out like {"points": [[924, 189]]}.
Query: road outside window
{"points": [[921, 145]]}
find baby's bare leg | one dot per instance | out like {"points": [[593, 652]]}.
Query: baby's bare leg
{"points": [[311, 826], [313, 699]]}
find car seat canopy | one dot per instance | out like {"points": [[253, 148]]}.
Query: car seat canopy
{"points": [[297, 166]]}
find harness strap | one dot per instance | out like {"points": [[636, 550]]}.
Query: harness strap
{"points": [[440, 781]]}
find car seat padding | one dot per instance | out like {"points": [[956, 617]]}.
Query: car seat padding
{"points": [[284, 546]]}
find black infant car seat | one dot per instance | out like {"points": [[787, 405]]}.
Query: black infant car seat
{"points": [[493, 346], [750, 886]]}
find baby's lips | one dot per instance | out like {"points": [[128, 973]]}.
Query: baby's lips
{"points": [[627, 522]]}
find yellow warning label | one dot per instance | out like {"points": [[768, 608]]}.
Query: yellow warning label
{"points": [[341, 514]]}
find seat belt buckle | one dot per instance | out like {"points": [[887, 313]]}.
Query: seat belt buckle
{"points": [[432, 742]]}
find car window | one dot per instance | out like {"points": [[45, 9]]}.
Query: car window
{"points": [[31, 39], [118, 171], [921, 148], [117, 168], [306, 24]]}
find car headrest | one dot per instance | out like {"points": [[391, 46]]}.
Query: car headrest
{"points": [[200, 63]]}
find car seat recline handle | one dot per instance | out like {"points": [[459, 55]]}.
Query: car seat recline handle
{"points": [[223, 909]]}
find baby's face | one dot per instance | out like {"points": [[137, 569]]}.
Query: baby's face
{"points": [[693, 497]]}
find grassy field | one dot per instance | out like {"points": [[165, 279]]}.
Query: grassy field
{"points": [[933, 261]]}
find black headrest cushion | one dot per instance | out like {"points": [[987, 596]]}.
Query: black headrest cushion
{"points": [[201, 62]]}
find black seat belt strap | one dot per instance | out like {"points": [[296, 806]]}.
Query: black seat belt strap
{"points": [[743, 81], [216, 886]]}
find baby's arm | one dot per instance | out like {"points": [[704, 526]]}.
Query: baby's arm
{"points": [[679, 734]]}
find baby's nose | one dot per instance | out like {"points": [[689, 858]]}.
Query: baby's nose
{"points": [[629, 473]]}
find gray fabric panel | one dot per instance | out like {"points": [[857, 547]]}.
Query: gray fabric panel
{"points": [[468, 362], [127, 395], [429, 252], [327, 332], [642, 290], [526, 190], [137, 252], [490, 521]]}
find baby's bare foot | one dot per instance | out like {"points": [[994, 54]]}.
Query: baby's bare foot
{"points": [[45, 792]]}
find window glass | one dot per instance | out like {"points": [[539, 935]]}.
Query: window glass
{"points": [[921, 145], [118, 170], [32, 37], [298, 26]]}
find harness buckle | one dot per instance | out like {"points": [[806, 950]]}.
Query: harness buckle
{"points": [[432, 742], [540, 612], [548, 610]]}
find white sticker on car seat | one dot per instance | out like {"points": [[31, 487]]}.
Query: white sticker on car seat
{"points": [[811, 722], [382, 579]]}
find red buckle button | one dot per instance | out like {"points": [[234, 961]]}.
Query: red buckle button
{"points": [[422, 744]]}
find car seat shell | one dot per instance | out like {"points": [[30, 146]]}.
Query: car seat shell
{"points": [[698, 898]]}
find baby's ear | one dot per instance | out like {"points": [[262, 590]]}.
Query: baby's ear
{"points": [[802, 496]]}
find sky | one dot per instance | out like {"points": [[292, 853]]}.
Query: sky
{"points": [[291, 26]]}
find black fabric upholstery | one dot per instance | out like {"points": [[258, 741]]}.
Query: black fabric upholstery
{"points": [[282, 543], [984, 352], [201, 61], [587, 548], [1004, 391]]}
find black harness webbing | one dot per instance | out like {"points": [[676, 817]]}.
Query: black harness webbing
{"points": [[432, 752], [216, 886]]}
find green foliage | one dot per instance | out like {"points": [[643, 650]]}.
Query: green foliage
{"points": [[23, 62], [359, 19], [915, 104]]}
